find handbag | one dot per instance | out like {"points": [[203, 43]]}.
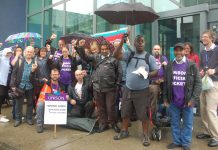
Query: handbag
{"points": [[207, 83]]}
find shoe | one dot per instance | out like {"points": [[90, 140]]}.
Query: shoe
{"points": [[121, 135], [39, 128], [116, 128], [102, 129], [17, 123], [4, 119], [186, 148], [172, 146], [146, 141], [213, 143], [30, 122], [203, 136]]}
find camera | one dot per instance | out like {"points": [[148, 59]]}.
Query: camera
{"points": [[125, 37]]}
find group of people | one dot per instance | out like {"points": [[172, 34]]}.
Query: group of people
{"points": [[94, 77]]}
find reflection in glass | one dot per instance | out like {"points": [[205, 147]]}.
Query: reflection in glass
{"points": [[34, 6], [50, 2], [102, 2], [79, 17], [145, 30], [34, 25], [164, 5], [184, 29], [54, 22], [146, 3]]}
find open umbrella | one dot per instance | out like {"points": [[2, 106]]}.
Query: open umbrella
{"points": [[23, 37], [77, 36], [127, 13]]}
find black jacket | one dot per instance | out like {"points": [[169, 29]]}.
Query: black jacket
{"points": [[107, 73], [193, 84]]}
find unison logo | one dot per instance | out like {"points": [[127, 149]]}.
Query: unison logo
{"points": [[56, 98]]}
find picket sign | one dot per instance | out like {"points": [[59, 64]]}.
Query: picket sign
{"points": [[55, 110]]}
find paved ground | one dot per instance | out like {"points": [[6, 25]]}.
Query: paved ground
{"points": [[25, 137]]}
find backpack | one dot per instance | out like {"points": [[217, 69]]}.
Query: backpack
{"points": [[146, 59]]}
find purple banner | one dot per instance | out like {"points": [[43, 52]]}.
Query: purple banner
{"points": [[54, 97]]}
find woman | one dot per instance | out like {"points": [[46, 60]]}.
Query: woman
{"points": [[18, 52], [5, 70], [189, 53]]}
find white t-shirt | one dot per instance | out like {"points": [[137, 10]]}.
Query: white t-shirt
{"points": [[78, 89]]}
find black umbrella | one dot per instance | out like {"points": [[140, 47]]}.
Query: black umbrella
{"points": [[77, 36], [127, 13]]}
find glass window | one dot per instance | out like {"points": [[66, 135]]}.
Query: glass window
{"points": [[213, 1], [54, 23], [164, 5], [34, 6], [34, 25], [50, 2], [145, 2], [203, 1], [79, 17], [172, 31], [187, 3], [102, 2], [145, 30]]}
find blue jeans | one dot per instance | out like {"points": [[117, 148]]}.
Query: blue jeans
{"points": [[181, 131], [40, 113]]}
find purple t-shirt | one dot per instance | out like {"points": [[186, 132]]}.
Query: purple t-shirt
{"points": [[57, 55], [65, 74], [178, 84]]}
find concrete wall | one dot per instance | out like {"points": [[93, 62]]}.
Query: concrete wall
{"points": [[12, 17]]}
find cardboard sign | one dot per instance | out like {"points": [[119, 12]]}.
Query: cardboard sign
{"points": [[55, 109]]}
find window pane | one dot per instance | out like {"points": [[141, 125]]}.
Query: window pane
{"points": [[172, 31], [102, 2], [164, 5], [34, 25], [34, 6], [50, 2], [145, 2], [203, 1], [79, 17], [187, 3], [145, 30], [54, 22], [214, 1]]}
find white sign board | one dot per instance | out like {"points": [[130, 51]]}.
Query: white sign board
{"points": [[55, 109]]}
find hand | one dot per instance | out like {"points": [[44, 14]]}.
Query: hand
{"points": [[51, 56], [1, 44], [73, 102], [191, 103], [210, 71], [18, 53], [164, 63], [45, 80], [127, 41], [202, 73], [67, 97], [82, 42], [53, 36], [13, 89], [34, 66]]}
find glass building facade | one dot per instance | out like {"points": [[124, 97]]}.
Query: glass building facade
{"points": [[180, 20]]}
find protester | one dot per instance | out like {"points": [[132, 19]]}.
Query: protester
{"points": [[18, 52], [189, 53], [136, 92], [78, 96], [52, 86], [182, 87], [106, 75], [21, 83], [208, 99], [5, 72]]}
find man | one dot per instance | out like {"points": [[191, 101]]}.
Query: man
{"points": [[79, 96], [22, 83], [157, 82], [208, 99], [105, 77], [182, 87], [136, 91], [52, 86]]}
